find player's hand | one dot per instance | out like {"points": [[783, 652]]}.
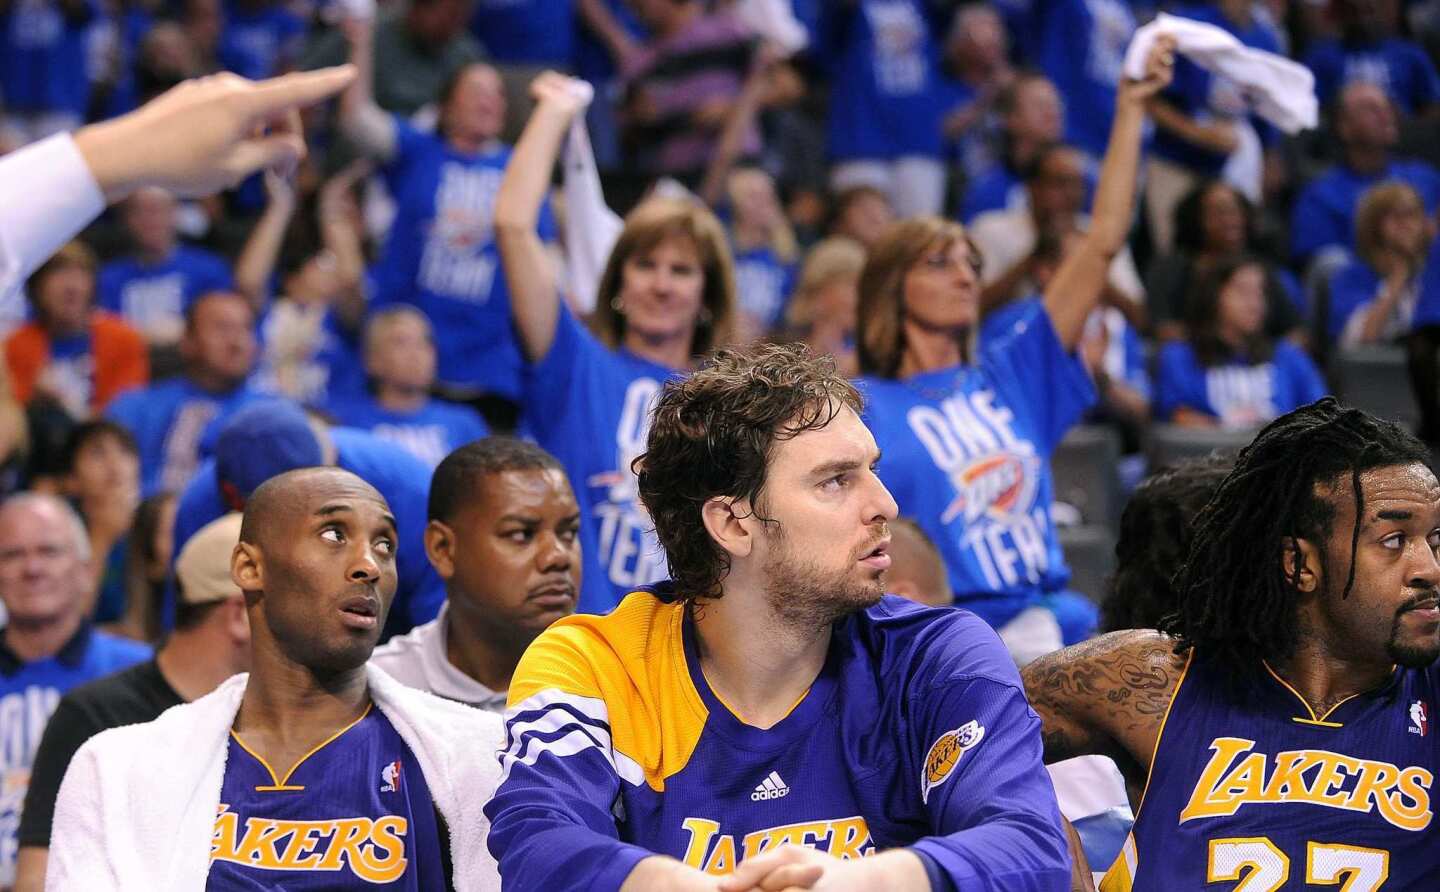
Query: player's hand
{"points": [[786, 868], [791, 868], [207, 134]]}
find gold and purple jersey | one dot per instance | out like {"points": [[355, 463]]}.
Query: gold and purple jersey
{"points": [[355, 813], [916, 733], [1252, 790]]}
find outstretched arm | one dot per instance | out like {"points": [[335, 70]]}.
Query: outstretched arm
{"points": [[1077, 285], [256, 263], [363, 122], [1107, 696], [534, 293]]}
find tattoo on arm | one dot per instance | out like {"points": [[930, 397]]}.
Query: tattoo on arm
{"points": [[1106, 696]]}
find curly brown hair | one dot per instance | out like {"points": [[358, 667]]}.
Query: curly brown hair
{"points": [[713, 434]]}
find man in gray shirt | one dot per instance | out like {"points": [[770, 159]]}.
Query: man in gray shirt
{"points": [[504, 535]]}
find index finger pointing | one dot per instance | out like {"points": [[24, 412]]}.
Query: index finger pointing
{"points": [[273, 97]]}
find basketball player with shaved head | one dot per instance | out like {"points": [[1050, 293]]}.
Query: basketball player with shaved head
{"points": [[315, 771]]}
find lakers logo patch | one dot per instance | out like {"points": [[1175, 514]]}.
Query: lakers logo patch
{"points": [[945, 754]]}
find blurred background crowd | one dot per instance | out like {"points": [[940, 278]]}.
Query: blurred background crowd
{"points": [[761, 150]]}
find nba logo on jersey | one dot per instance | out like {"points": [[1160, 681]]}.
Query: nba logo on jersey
{"points": [[390, 777], [1419, 718]]}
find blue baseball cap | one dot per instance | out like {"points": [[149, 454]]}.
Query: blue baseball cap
{"points": [[262, 440]]}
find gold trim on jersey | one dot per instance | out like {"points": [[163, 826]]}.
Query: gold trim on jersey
{"points": [[1318, 721], [281, 784]]}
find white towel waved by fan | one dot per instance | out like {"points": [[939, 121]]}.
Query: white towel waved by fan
{"points": [[1282, 91]]}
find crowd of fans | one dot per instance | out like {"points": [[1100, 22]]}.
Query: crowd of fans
{"points": [[791, 171]]}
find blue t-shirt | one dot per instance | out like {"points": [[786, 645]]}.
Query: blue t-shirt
{"points": [[1324, 214], [151, 296], [528, 32], [763, 283], [883, 66], [1399, 67], [590, 407], [1237, 393], [256, 42], [400, 477], [1081, 45], [168, 420], [355, 813], [967, 455], [1198, 94], [29, 693], [43, 58], [441, 257], [429, 433], [332, 373]]}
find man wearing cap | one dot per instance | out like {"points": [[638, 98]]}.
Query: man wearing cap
{"points": [[314, 771], [274, 436], [211, 642]]}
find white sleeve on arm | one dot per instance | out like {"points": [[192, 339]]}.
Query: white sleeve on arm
{"points": [[47, 195]]}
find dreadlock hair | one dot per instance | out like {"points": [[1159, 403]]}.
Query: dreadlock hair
{"points": [[1155, 534], [1236, 601]]}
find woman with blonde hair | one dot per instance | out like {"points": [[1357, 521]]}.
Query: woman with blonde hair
{"points": [[1372, 299], [822, 310], [665, 299], [967, 433]]}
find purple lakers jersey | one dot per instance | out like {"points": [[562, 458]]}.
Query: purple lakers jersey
{"points": [[355, 813], [1256, 792]]}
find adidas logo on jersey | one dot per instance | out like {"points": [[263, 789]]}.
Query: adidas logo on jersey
{"points": [[772, 787]]}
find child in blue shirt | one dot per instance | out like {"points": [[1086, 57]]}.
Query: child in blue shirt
{"points": [[966, 432], [400, 360], [1228, 373], [666, 297], [767, 256]]}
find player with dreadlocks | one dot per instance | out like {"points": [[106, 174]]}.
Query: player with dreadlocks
{"points": [[1280, 719]]}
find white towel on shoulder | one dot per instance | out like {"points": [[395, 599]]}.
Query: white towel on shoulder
{"points": [[136, 811], [1281, 91]]}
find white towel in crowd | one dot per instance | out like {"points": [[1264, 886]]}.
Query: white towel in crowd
{"points": [[591, 228], [1281, 91]]}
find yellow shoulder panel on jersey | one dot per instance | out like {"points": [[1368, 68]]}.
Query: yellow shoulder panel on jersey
{"points": [[633, 661]]}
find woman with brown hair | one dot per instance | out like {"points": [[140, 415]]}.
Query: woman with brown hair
{"points": [[967, 434], [666, 298]]}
